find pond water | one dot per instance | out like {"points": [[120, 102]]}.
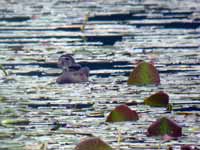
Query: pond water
{"points": [[109, 37]]}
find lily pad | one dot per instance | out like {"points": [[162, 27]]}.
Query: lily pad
{"points": [[159, 99], [4, 70], [14, 122], [93, 144], [122, 113], [4, 135], [186, 147], [144, 73], [164, 126], [3, 99]]}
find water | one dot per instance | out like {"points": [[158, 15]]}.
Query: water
{"points": [[33, 34]]}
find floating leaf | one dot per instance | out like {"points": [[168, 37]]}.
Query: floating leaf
{"points": [[95, 114], [3, 99], [4, 70], [164, 126], [37, 146], [188, 147], [14, 122], [93, 144], [159, 99], [6, 111], [4, 135], [144, 73], [122, 113], [56, 125]]}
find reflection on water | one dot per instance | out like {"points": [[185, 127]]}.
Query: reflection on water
{"points": [[117, 34]]}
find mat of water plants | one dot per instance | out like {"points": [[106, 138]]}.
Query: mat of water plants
{"points": [[111, 38]]}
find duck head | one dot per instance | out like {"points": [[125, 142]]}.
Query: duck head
{"points": [[67, 62]]}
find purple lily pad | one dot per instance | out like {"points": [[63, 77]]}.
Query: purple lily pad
{"points": [[144, 73], [164, 126], [93, 144], [186, 147], [159, 99], [122, 113]]}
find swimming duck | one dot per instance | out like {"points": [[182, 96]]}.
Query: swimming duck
{"points": [[72, 72]]}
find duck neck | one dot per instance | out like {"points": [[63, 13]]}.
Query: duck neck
{"points": [[65, 69]]}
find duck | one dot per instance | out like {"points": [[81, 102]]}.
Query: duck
{"points": [[72, 71]]}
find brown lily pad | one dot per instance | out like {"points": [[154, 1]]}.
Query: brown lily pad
{"points": [[144, 73], [122, 113], [164, 126], [159, 99], [186, 147], [93, 144]]}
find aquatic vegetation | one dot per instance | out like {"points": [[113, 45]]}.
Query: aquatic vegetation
{"points": [[86, 18], [164, 126], [159, 99], [117, 33], [93, 144], [122, 113], [8, 112], [37, 146], [3, 99], [4, 70], [7, 122], [144, 73], [56, 125], [188, 147], [4, 135]]}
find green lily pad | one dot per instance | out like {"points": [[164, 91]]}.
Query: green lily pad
{"points": [[7, 122], [93, 144], [4, 70], [3, 99], [122, 113], [164, 126], [159, 99], [144, 73], [4, 135]]}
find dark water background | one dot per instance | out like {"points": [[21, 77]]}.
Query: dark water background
{"points": [[118, 33]]}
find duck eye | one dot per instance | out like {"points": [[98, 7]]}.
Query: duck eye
{"points": [[66, 58]]}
